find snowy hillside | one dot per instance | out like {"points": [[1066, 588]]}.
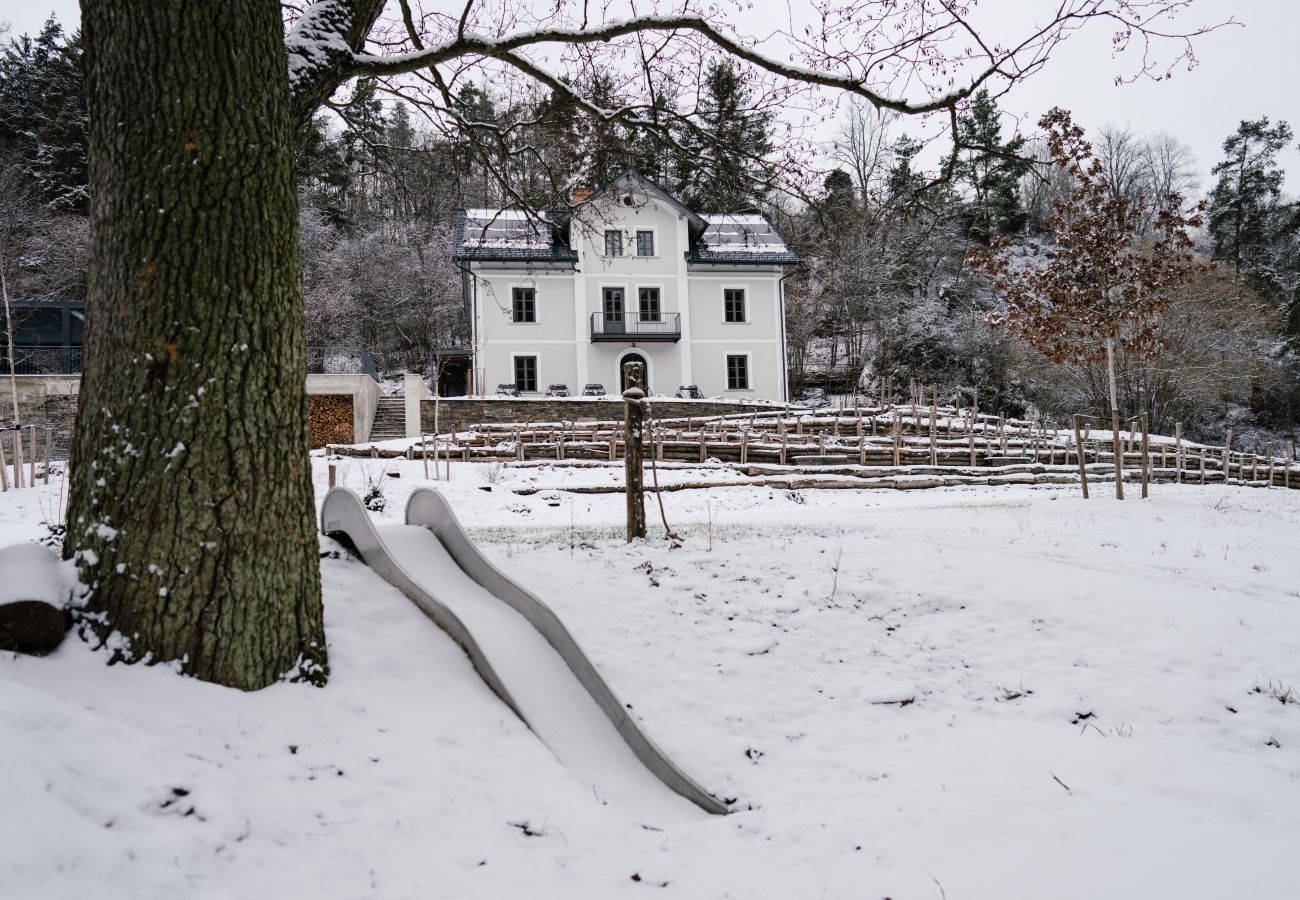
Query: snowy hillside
{"points": [[962, 693]]}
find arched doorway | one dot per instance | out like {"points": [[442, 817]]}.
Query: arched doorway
{"points": [[622, 376]]}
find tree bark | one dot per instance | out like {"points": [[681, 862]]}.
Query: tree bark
{"points": [[190, 513]]}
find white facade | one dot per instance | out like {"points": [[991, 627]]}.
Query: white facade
{"points": [[549, 304]]}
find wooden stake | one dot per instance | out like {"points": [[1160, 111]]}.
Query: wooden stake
{"points": [[49, 439], [1227, 456], [31, 465], [1179, 460], [4, 475], [898, 440], [1078, 449], [18, 458], [1146, 455], [1118, 440], [333, 470]]}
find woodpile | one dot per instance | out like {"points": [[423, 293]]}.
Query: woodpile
{"points": [[329, 418]]}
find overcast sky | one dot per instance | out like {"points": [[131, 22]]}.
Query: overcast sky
{"points": [[1244, 73]]}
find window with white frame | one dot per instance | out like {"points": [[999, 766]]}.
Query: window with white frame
{"points": [[613, 243], [650, 310], [523, 304], [733, 305], [737, 372], [526, 373], [645, 243]]}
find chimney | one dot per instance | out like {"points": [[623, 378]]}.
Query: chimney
{"points": [[579, 195]]}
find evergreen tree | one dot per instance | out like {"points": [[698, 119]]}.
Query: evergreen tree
{"points": [[904, 181], [1248, 218], [43, 114], [992, 168], [727, 168]]}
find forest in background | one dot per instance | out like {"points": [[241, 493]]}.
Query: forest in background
{"points": [[887, 294]]}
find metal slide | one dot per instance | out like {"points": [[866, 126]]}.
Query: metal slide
{"points": [[523, 652]]}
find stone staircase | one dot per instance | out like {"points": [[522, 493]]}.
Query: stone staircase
{"points": [[390, 419]]}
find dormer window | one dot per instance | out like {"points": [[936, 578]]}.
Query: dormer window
{"points": [[645, 243], [613, 243]]}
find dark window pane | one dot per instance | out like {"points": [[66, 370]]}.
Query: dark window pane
{"points": [[613, 243], [737, 372], [733, 303], [650, 309], [645, 243], [526, 373], [524, 305], [38, 326]]}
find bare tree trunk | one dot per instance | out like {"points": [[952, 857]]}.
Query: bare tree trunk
{"points": [[191, 513], [1114, 419], [9, 336]]}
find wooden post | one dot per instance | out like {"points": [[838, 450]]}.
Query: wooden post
{"points": [[1117, 438], [1179, 459], [934, 419], [862, 451], [1227, 455], [970, 439], [49, 439], [898, 440], [1202, 455], [634, 422], [4, 475], [1078, 449], [784, 437], [1146, 455], [18, 458], [744, 447], [334, 474], [1268, 454], [31, 463]]}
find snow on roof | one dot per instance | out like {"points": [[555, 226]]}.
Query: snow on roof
{"points": [[729, 233], [505, 229]]}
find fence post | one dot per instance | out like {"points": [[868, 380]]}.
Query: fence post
{"points": [[1179, 459], [18, 458], [1227, 456], [634, 422], [1146, 455], [4, 475], [1078, 449], [49, 439], [1118, 440]]}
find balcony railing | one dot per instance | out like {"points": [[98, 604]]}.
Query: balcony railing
{"points": [[42, 359], [340, 361], [632, 327]]}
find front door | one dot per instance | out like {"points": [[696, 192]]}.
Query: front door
{"points": [[622, 372], [614, 311]]}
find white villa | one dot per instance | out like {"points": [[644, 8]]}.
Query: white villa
{"points": [[628, 274]]}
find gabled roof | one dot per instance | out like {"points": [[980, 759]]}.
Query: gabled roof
{"points": [[508, 234], [629, 180], [716, 238]]}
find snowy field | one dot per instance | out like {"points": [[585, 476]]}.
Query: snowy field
{"points": [[968, 693]]}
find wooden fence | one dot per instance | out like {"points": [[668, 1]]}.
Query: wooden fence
{"points": [[870, 442], [15, 448]]}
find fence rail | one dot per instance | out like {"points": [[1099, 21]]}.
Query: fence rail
{"points": [[880, 445], [42, 359]]}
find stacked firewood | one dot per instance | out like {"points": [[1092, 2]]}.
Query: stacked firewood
{"points": [[330, 418]]}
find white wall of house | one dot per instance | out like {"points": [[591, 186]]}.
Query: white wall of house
{"points": [[566, 300]]}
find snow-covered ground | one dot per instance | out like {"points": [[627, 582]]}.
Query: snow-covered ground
{"points": [[964, 693]]}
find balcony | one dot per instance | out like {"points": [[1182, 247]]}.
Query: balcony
{"points": [[631, 327]]}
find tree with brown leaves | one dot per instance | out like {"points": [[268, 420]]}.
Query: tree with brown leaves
{"points": [[1106, 279]]}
